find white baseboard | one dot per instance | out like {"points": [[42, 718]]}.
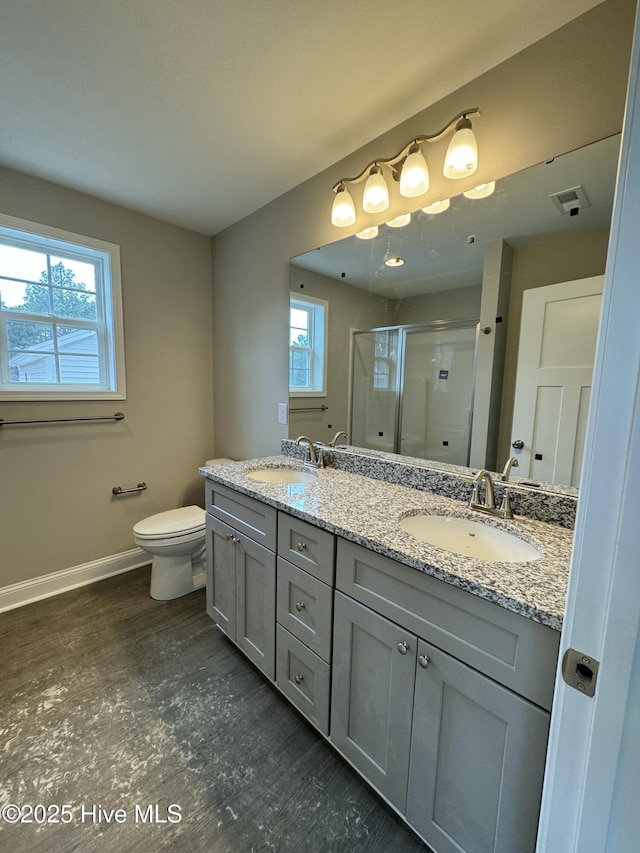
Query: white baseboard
{"points": [[45, 586]]}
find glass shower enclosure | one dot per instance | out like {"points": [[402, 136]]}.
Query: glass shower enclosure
{"points": [[412, 390]]}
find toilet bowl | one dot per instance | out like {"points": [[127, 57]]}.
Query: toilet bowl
{"points": [[176, 540]]}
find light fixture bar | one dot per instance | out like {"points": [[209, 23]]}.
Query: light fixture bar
{"points": [[402, 154]]}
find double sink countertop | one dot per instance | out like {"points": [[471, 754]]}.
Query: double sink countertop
{"points": [[367, 511]]}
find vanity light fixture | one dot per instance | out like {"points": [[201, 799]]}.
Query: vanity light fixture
{"points": [[393, 262], [438, 206], [375, 198], [409, 168], [400, 221], [461, 159], [481, 191], [368, 233], [343, 212]]}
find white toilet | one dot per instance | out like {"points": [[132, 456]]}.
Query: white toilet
{"points": [[177, 541]]}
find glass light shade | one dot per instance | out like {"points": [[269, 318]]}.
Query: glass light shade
{"points": [[399, 221], [368, 233], [343, 212], [376, 193], [481, 191], [461, 159], [414, 178], [438, 206]]}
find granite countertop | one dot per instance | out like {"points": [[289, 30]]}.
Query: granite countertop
{"points": [[367, 511]]}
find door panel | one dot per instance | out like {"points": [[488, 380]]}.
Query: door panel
{"points": [[477, 760], [221, 580], [437, 394], [372, 696], [555, 365], [256, 604]]}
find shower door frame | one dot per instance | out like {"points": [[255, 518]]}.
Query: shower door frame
{"points": [[404, 330]]}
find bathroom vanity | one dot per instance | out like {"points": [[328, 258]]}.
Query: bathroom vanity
{"points": [[430, 672]]}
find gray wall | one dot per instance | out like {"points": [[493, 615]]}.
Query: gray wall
{"points": [[565, 91], [56, 507], [460, 303]]}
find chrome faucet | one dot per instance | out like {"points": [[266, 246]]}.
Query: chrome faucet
{"points": [[312, 458], [489, 503], [335, 438], [511, 462], [488, 506]]}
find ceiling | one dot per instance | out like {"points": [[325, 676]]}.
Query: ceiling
{"points": [[200, 112], [447, 251]]}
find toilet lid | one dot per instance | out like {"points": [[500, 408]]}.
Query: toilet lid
{"points": [[184, 520]]}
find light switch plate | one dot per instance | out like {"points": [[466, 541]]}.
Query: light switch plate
{"points": [[283, 413]]}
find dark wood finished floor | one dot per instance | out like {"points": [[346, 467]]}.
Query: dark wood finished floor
{"points": [[111, 700]]}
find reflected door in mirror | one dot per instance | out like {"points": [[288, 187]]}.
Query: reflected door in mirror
{"points": [[555, 367]]}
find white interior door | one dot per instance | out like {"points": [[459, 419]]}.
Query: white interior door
{"points": [[590, 798], [553, 389]]}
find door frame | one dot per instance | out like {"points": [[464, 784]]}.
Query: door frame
{"points": [[590, 774]]}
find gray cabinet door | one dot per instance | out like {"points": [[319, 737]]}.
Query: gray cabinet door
{"points": [[256, 604], [221, 575], [477, 760], [372, 696]]}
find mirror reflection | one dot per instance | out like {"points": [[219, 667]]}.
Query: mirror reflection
{"points": [[484, 327]]}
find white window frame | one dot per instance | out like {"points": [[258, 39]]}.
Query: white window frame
{"points": [[109, 325], [318, 311]]}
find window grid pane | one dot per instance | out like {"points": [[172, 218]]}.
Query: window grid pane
{"points": [[75, 345]]}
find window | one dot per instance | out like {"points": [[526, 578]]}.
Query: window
{"points": [[308, 324], [383, 357], [60, 315]]}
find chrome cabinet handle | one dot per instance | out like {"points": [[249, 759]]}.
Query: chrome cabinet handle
{"points": [[403, 647], [300, 606], [231, 538], [423, 660], [298, 678], [301, 546]]}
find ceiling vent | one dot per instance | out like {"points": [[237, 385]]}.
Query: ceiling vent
{"points": [[570, 201]]}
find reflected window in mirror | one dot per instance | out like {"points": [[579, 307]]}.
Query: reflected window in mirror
{"points": [[383, 359], [308, 329]]}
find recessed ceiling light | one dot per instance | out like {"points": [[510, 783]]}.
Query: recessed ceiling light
{"points": [[393, 262]]}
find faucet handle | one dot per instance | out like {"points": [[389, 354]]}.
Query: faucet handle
{"points": [[505, 507]]}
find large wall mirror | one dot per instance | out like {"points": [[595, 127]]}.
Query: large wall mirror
{"points": [[433, 357]]}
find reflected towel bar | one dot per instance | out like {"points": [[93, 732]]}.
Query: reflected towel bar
{"points": [[117, 417], [310, 409], [118, 490]]}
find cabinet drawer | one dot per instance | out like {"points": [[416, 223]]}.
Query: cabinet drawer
{"points": [[307, 547], [303, 678], [304, 607], [251, 517], [511, 649]]}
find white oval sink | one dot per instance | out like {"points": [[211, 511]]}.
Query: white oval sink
{"points": [[281, 475], [470, 538]]}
